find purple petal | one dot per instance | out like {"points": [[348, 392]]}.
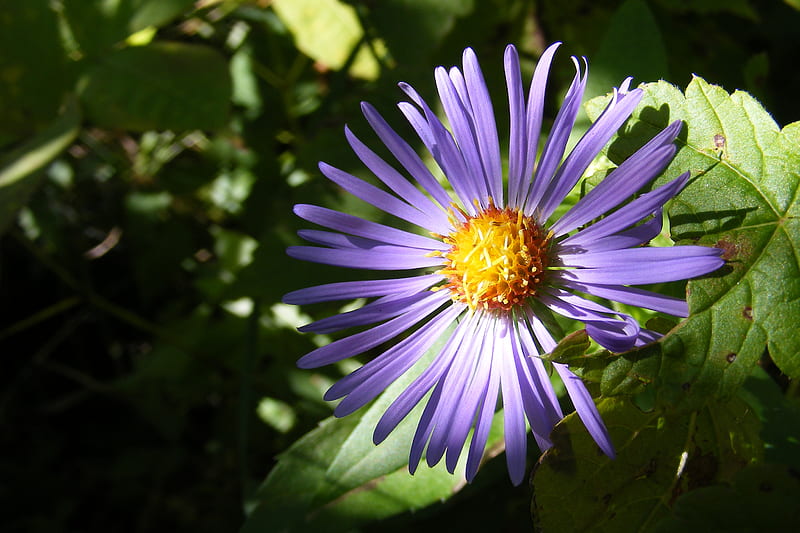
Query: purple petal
{"points": [[586, 409], [486, 411], [556, 142], [513, 412], [635, 236], [628, 215], [536, 393], [381, 199], [411, 396], [587, 149], [622, 182], [453, 392], [375, 258], [617, 335], [381, 309], [463, 126], [363, 341], [397, 183], [347, 290], [485, 126], [633, 296], [637, 273], [647, 254], [354, 225], [405, 155], [464, 417], [363, 385], [442, 147]]}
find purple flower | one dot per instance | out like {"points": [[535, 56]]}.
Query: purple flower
{"points": [[491, 255]]}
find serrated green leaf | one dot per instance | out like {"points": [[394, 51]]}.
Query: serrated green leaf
{"points": [[335, 477], [762, 498], [743, 200], [19, 170], [577, 488], [159, 86]]}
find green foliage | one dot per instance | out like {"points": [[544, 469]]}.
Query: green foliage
{"points": [[20, 170], [152, 150], [335, 478], [742, 201], [659, 458], [159, 86]]}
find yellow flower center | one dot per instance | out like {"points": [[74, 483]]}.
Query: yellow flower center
{"points": [[496, 259]]}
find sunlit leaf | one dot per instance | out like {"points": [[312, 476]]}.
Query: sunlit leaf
{"points": [[577, 488], [160, 86], [329, 32], [19, 170], [743, 200]]}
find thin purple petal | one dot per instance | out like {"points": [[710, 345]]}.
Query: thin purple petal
{"points": [[587, 149], [361, 342], [346, 290], [586, 409], [354, 225]]}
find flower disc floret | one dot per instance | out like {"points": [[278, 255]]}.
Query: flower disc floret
{"points": [[496, 259]]}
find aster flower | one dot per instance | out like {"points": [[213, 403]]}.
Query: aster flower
{"points": [[489, 257]]}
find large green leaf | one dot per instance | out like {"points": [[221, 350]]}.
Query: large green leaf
{"points": [[335, 478], [163, 85], [20, 170], [742, 199], [577, 488]]}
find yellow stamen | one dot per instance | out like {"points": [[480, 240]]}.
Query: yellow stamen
{"points": [[495, 258]]}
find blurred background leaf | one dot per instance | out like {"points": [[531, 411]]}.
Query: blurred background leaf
{"points": [[149, 377]]}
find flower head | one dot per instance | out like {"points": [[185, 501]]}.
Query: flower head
{"points": [[490, 255]]}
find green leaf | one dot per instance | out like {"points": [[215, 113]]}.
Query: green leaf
{"points": [[34, 72], [762, 498], [335, 478], [742, 199], [19, 170], [577, 488], [779, 415], [329, 32], [159, 86], [432, 21], [100, 24], [624, 53]]}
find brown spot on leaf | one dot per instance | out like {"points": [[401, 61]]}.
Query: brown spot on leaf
{"points": [[730, 357], [747, 312], [686, 386], [730, 249], [719, 141]]}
